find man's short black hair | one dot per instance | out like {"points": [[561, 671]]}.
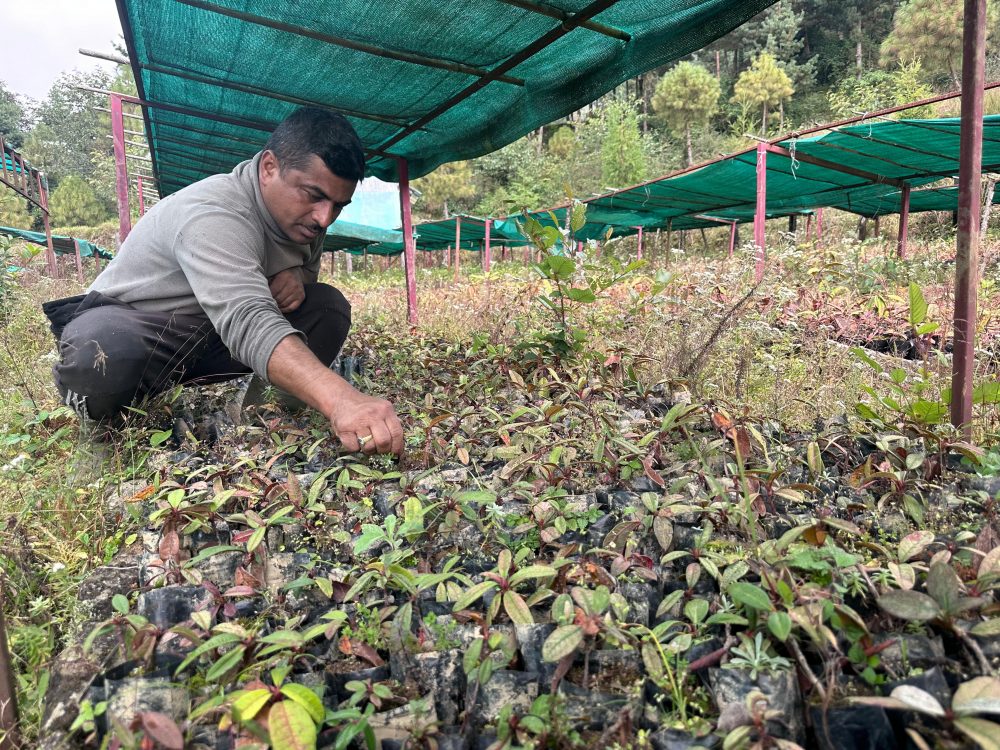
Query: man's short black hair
{"points": [[311, 130]]}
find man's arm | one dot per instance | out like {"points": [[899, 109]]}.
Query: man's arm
{"points": [[352, 414]]}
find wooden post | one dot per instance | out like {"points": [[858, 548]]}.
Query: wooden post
{"points": [[760, 214], [670, 242], [50, 252], [121, 170], [904, 222], [409, 245], [967, 244], [79, 260]]}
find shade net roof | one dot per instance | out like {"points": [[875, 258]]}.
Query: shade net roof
{"points": [[877, 156], [62, 245], [432, 81], [346, 235]]}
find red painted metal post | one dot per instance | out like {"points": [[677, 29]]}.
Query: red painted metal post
{"points": [[967, 244], [761, 211], [142, 203], [732, 238], [487, 251], [121, 170], [904, 222], [819, 224], [409, 245], [97, 262], [809, 221], [50, 251], [78, 259], [458, 245], [638, 248]]}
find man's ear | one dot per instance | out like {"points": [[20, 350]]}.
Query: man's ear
{"points": [[269, 167]]}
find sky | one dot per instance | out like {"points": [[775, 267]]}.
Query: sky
{"points": [[42, 39]]}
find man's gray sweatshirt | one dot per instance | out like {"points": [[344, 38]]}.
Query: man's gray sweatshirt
{"points": [[209, 250]]}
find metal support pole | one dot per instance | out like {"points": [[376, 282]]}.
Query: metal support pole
{"points": [[97, 261], [819, 223], [732, 238], [638, 248], [904, 222], [809, 221], [79, 260], [761, 213], [967, 245], [409, 245], [121, 170], [50, 252], [142, 203], [487, 252], [458, 245]]}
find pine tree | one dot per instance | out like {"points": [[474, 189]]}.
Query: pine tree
{"points": [[764, 85], [447, 186], [622, 161], [73, 203], [932, 31], [687, 96]]}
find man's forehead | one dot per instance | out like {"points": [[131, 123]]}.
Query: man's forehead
{"points": [[315, 173]]}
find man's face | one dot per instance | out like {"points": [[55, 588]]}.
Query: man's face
{"points": [[303, 202]]}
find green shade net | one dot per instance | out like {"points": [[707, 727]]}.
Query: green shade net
{"points": [[250, 75], [60, 243], [351, 237], [919, 152]]}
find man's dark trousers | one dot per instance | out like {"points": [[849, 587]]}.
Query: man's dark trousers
{"points": [[112, 355]]}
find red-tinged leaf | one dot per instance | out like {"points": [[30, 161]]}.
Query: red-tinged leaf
{"points": [[815, 536], [614, 359], [340, 590], [240, 591], [291, 727], [741, 440], [170, 546], [245, 578], [647, 469], [366, 652], [721, 421], [294, 490], [229, 610], [241, 536], [163, 729]]}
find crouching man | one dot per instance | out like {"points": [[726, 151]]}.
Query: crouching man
{"points": [[219, 280]]}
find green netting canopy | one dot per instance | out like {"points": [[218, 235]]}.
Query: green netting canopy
{"points": [[859, 168], [62, 244], [351, 237], [432, 81]]}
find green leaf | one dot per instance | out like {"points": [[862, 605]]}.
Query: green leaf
{"points": [[918, 305], [256, 538], [580, 294], [559, 266], [532, 571], [651, 658], [696, 610], [861, 354], [159, 438], [780, 625], [305, 698], [750, 595], [504, 560], [909, 605], [291, 727], [563, 641], [473, 594], [944, 586], [370, 533], [248, 703], [980, 695], [216, 641], [119, 603], [988, 629], [913, 544], [578, 218], [517, 609], [984, 733], [225, 663]]}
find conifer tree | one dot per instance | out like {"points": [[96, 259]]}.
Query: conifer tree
{"points": [[763, 85], [622, 161], [687, 96]]}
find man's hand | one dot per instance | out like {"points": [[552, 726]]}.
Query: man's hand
{"points": [[287, 289], [366, 423], [359, 421]]}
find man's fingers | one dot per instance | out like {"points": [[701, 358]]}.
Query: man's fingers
{"points": [[396, 435], [381, 441]]}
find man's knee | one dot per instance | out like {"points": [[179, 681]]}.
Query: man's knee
{"points": [[328, 299], [100, 365]]}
